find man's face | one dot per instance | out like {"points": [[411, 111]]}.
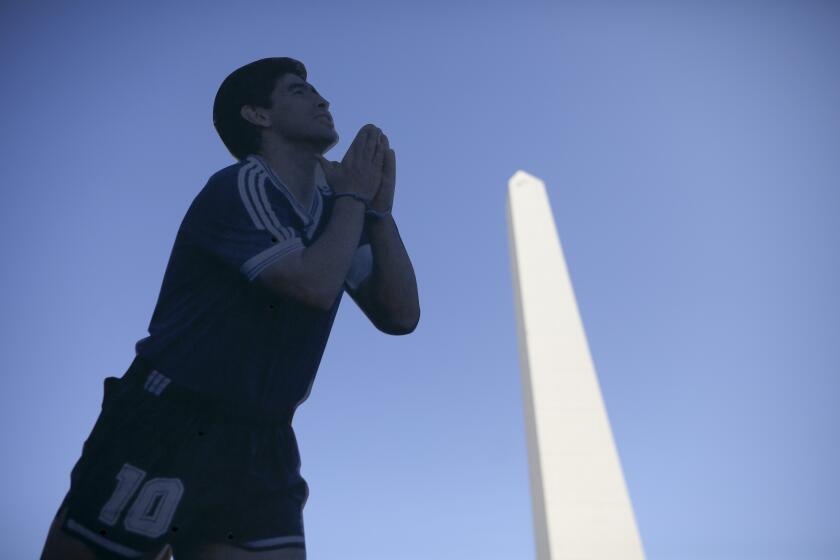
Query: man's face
{"points": [[300, 114]]}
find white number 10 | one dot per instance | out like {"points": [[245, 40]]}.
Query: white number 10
{"points": [[152, 511]]}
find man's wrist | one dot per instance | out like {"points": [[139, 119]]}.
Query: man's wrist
{"points": [[372, 214], [354, 196], [375, 222], [351, 202]]}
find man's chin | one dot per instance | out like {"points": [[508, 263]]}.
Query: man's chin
{"points": [[329, 143], [320, 143]]}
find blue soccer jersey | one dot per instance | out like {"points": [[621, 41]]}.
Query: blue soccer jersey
{"points": [[218, 331]]}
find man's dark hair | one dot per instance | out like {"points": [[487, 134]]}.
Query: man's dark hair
{"points": [[251, 84]]}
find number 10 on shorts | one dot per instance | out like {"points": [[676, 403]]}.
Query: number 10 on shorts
{"points": [[151, 512]]}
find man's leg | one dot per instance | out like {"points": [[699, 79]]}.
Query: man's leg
{"points": [[61, 546]]}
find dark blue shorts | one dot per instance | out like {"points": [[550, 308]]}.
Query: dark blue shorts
{"points": [[163, 464]]}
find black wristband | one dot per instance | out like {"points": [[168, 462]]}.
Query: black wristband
{"points": [[356, 196], [372, 214]]}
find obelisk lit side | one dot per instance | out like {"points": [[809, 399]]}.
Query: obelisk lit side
{"points": [[581, 507]]}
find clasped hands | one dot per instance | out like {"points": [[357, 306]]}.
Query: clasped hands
{"points": [[368, 169]]}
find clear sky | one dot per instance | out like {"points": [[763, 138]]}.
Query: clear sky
{"points": [[690, 152]]}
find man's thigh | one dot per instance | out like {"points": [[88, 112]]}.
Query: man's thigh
{"points": [[219, 551]]}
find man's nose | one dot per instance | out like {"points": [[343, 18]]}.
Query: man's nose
{"points": [[320, 101]]}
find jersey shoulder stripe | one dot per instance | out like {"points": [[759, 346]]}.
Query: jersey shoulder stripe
{"points": [[252, 193]]}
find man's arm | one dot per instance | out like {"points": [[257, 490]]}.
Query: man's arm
{"points": [[388, 296], [315, 274]]}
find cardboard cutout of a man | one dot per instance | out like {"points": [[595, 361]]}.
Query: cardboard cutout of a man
{"points": [[194, 452]]}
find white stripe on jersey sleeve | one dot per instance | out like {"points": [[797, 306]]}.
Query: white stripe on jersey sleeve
{"points": [[242, 183], [253, 191], [251, 184], [261, 181], [259, 262]]}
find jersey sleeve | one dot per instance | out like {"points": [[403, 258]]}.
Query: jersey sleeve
{"points": [[362, 265], [245, 224]]}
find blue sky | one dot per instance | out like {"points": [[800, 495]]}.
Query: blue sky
{"points": [[689, 150]]}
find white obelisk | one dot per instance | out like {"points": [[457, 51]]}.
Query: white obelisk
{"points": [[580, 503]]}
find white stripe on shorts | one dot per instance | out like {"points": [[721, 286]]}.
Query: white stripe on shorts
{"points": [[102, 541], [274, 541]]}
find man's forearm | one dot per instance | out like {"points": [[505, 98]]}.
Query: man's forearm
{"points": [[328, 259], [394, 287]]}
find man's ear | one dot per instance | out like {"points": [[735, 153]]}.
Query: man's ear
{"points": [[253, 115]]}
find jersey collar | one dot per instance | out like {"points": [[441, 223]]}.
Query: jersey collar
{"points": [[310, 217]]}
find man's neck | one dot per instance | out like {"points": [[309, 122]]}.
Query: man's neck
{"points": [[294, 165]]}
